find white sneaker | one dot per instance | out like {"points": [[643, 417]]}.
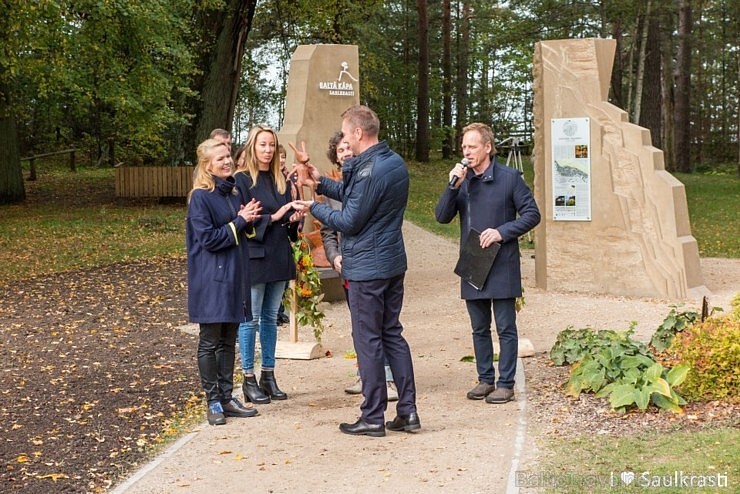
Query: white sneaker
{"points": [[355, 389], [392, 393]]}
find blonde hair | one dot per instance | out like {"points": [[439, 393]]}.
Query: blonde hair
{"points": [[203, 178], [485, 131], [251, 165]]}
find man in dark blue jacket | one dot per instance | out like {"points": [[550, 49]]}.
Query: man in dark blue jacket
{"points": [[494, 200], [374, 191]]}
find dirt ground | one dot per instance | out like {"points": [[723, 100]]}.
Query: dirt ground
{"points": [[93, 365]]}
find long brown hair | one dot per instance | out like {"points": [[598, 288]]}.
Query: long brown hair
{"points": [[203, 178], [251, 165]]}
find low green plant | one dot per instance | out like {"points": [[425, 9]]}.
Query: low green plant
{"points": [[572, 345], [712, 350], [615, 366], [643, 382], [674, 323]]}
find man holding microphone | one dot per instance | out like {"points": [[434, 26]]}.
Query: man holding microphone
{"points": [[489, 197]]}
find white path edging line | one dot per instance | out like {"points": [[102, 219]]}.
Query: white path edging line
{"points": [[121, 488], [521, 428]]}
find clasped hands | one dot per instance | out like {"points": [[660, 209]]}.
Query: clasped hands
{"points": [[250, 211]]}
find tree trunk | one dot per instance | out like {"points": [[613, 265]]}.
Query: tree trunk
{"points": [[422, 95], [12, 189], [634, 45], [463, 48], [618, 71], [221, 84], [651, 107], [683, 86], [667, 92], [446, 82], [640, 78]]}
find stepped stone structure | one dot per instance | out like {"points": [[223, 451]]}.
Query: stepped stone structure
{"points": [[324, 81], [634, 239]]}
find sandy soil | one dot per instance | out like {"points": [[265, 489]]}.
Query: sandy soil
{"points": [[464, 446]]}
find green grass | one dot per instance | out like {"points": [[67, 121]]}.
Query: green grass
{"points": [[73, 221], [569, 465], [714, 211]]}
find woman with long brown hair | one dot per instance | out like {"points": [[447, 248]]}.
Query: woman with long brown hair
{"points": [[270, 257]]}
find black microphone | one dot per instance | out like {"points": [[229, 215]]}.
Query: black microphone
{"points": [[454, 179]]}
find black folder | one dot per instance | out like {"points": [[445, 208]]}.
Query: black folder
{"points": [[475, 262]]}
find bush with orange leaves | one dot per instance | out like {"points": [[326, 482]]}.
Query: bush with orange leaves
{"points": [[307, 287]]}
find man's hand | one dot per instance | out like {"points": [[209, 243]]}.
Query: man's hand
{"points": [[303, 206], [338, 264], [489, 236]]}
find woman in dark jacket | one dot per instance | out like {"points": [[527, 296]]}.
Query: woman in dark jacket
{"points": [[219, 220], [270, 258]]}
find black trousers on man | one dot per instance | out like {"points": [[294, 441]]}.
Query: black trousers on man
{"points": [[376, 332]]}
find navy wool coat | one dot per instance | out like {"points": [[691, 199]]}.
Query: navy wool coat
{"points": [[374, 191], [218, 256], [493, 199], [270, 252]]}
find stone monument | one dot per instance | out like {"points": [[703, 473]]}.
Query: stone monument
{"points": [[324, 81], [613, 220]]}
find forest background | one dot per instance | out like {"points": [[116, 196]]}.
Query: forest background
{"points": [[142, 82]]}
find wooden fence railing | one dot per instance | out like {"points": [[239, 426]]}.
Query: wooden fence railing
{"points": [[154, 181], [32, 161]]}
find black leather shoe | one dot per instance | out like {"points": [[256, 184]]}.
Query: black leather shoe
{"points": [[252, 391], [408, 423], [270, 387], [362, 428], [233, 408]]}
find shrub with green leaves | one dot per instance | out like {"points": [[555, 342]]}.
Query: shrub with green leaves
{"points": [[674, 323], [712, 351], [735, 312], [615, 366], [639, 381], [572, 345]]}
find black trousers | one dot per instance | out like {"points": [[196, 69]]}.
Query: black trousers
{"points": [[216, 351], [375, 307]]}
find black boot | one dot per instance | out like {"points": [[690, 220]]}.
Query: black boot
{"points": [[252, 391], [270, 387]]}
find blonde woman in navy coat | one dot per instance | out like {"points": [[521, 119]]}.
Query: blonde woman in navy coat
{"points": [[270, 259], [219, 220]]}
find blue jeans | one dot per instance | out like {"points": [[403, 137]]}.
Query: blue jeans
{"points": [[504, 312], [266, 299]]}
